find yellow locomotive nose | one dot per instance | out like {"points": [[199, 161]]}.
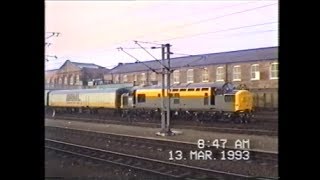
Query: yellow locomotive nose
{"points": [[243, 101]]}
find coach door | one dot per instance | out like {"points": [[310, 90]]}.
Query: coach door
{"points": [[133, 95], [212, 96]]}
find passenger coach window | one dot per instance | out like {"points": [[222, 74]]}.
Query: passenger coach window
{"points": [[229, 98], [141, 98]]}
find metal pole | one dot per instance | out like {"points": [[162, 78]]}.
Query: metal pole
{"points": [[226, 76], [168, 89], [163, 117]]}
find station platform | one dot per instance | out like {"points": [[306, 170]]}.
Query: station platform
{"points": [[257, 142]]}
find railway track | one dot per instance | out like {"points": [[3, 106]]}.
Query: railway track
{"points": [[250, 130], [259, 116], [163, 168], [159, 149]]}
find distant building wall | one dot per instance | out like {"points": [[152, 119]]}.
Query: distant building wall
{"points": [[260, 77]]}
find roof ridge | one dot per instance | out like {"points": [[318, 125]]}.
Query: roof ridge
{"points": [[262, 53]]}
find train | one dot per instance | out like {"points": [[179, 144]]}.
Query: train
{"points": [[199, 102]]}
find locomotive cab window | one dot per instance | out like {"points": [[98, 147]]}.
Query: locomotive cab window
{"points": [[176, 99], [229, 98], [141, 98]]}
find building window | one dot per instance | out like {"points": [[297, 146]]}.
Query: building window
{"points": [[220, 74], [255, 73], [116, 78], [125, 78], [60, 80], [176, 76], [153, 76], [66, 80], [143, 78], [236, 73], [205, 76], [77, 79], [135, 78], [274, 71], [71, 80], [190, 76]]}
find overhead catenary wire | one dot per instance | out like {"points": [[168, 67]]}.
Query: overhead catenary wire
{"points": [[219, 31], [138, 48], [145, 42], [52, 56], [53, 34], [49, 44], [153, 70], [232, 35], [60, 61], [226, 15], [198, 22], [190, 63], [210, 19], [146, 51], [192, 23], [151, 55]]}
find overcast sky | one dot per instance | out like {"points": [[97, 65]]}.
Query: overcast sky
{"points": [[92, 30]]}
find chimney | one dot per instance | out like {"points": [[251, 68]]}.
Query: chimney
{"points": [[120, 64]]}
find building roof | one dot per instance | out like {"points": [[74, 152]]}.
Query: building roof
{"points": [[81, 66], [268, 53], [52, 70], [85, 65]]}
